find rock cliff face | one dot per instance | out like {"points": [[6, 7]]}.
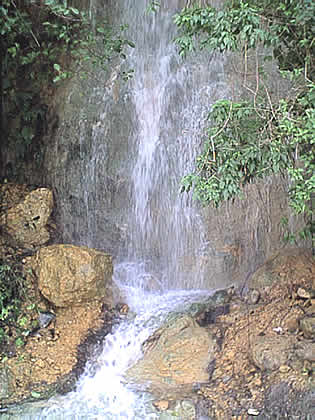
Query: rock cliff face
{"points": [[239, 235], [243, 234], [89, 158], [23, 220]]}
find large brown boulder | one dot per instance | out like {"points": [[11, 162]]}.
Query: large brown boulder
{"points": [[24, 216], [176, 358], [70, 275]]}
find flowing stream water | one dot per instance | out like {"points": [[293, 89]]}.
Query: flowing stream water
{"points": [[159, 270]]}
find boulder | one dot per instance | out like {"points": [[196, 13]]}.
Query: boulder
{"points": [[307, 325], [70, 275], [271, 271], [176, 358], [305, 350], [286, 264], [24, 218], [269, 353]]}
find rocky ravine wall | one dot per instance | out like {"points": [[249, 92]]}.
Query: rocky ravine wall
{"points": [[243, 234], [240, 235]]}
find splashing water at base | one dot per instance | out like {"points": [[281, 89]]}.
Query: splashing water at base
{"points": [[102, 391]]}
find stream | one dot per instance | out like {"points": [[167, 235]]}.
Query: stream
{"points": [[102, 391]]}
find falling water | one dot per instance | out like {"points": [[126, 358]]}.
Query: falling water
{"points": [[159, 267], [171, 99]]}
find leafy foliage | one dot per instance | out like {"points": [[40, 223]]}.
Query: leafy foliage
{"points": [[251, 139], [42, 43], [285, 25], [15, 319], [153, 7]]}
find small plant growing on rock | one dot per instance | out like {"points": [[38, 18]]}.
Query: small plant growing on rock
{"points": [[15, 319]]}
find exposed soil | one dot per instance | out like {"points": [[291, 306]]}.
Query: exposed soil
{"points": [[237, 384], [54, 357]]}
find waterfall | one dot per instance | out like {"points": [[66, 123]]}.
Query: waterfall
{"points": [[170, 98], [143, 137], [123, 148]]}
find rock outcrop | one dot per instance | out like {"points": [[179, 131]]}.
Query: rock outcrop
{"points": [[176, 358], [76, 312], [70, 275], [270, 353], [23, 220]]}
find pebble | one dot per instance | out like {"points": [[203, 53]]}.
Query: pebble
{"points": [[278, 330], [252, 412], [302, 293], [226, 379], [254, 297], [45, 319], [292, 325], [123, 308], [161, 405], [284, 368], [258, 382]]}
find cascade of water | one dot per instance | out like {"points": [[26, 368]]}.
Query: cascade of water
{"points": [[171, 98], [102, 392]]}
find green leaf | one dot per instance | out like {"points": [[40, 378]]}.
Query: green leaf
{"points": [[19, 342], [74, 10]]}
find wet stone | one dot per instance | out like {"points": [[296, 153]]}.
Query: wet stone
{"points": [[254, 297], [161, 405], [45, 319], [307, 326], [182, 410]]}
